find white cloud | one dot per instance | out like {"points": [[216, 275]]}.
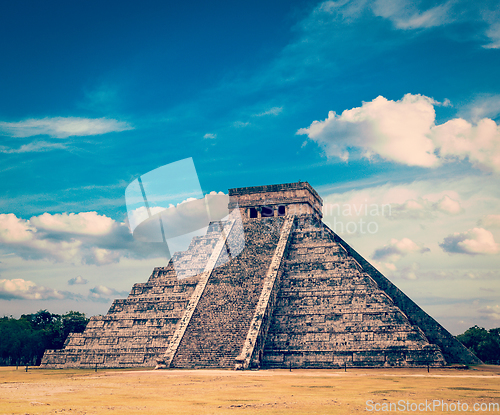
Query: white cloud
{"points": [[83, 223], [410, 272], [13, 229], [52, 249], [345, 8], [394, 130], [141, 214], [271, 111], [35, 147], [490, 221], [180, 219], [240, 124], [404, 131], [405, 14], [422, 207], [448, 205], [58, 237], [103, 292], [420, 212], [493, 31], [53, 237], [416, 15], [459, 139], [474, 241], [103, 256], [210, 135], [483, 106], [80, 238], [63, 127], [22, 289], [77, 281], [396, 249], [492, 312]]}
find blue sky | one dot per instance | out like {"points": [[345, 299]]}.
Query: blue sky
{"points": [[381, 102]]}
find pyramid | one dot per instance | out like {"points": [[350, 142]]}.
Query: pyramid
{"points": [[269, 286]]}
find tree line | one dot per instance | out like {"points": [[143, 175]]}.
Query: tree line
{"points": [[23, 341], [485, 344]]}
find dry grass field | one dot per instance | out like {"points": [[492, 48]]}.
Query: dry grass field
{"points": [[251, 392]]}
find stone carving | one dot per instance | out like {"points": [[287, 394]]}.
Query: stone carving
{"points": [[296, 294]]}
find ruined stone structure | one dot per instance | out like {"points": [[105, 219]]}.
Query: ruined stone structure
{"points": [[271, 286]]}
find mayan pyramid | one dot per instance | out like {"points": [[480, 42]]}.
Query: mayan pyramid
{"points": [[269, 286]]}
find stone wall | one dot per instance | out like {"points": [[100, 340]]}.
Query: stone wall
{"points": [[331, 313], [297, 198]]}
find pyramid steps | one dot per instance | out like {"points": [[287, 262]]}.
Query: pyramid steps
{"points": [[330, 312], [272, 292], [221, 321], [137, 330]]}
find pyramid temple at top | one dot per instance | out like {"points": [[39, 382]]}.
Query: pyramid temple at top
{"points": [[269, 286]]}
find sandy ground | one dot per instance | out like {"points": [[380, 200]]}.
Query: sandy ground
{"points": [[42, 391]]}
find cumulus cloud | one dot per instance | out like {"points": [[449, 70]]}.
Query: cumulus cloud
{"points": [[459, 139], [405, 132], [187, 216], [474, 241], [14, 229], [21, 236], [491, 312], [101, 292], [63, 127], [102, 256], [141, 214], [83, 223], [421, 208], [77, 281], [18, 288], [397, 249], [394, 130], [448, 205], [86, 238], [210, 135], [490, 221]]}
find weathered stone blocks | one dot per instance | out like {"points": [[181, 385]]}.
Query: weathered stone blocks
{"points": [[270, 292]]}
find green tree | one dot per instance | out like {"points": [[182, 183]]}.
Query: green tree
{"points": [[483, 343], [25, 340]]}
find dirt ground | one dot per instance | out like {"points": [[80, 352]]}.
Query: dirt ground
{"points": [[42, 391]]}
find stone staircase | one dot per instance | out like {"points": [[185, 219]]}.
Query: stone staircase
{"points": [[137, 330], [222, 318], [192, 261]]}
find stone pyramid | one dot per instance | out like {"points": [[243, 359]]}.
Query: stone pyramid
{"points": [[270, 286]]}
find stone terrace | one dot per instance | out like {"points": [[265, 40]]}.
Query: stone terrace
{"points": [[330, 313], [278, 288]]}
